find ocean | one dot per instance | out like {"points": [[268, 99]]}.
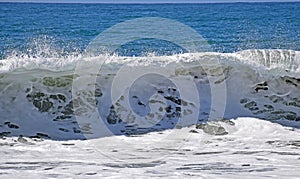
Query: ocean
{"points": [[150, 90]]}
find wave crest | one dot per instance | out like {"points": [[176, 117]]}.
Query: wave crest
{"points": [[263, 59]]}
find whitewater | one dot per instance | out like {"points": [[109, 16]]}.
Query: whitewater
{"points": [[253, 148], [198, 115], [54, 95]]}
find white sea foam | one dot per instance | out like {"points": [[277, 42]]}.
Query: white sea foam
{"points": [[167, 91], [253, 148], [267, 59]]}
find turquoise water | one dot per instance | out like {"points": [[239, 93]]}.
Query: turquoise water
{"points": [[70, 27]]}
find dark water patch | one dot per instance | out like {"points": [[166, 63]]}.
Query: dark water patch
{"points": [[68, 144], [31, 167], [4, 134], [261, 86], [11, 125], [91, 173], [41, 165], [248, 152], [23, 140], [262, 159], [166, 149], [135, 165], [212, 128], [285, 153], [209, 153], [279, 143], [7, 144], [49, 168], [224, 168]]}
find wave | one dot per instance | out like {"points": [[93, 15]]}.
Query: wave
{"points": [[61, 98], [263, 58]]}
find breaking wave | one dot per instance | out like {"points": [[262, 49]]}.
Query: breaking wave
{"points": [[36, 91]]}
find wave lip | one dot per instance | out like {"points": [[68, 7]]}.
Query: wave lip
{"points": [[269, 59]]}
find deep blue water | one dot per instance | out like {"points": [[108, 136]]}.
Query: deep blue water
{"points": [[70, 27]]}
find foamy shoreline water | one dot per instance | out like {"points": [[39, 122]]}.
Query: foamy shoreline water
{"points": [[252, 148]]}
